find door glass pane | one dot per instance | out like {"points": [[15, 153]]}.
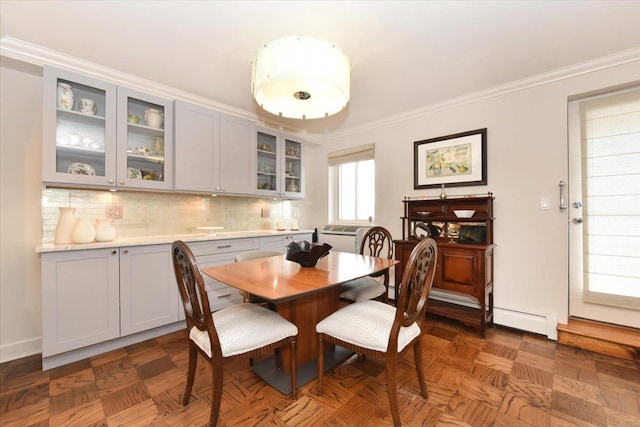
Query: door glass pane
{"points": [[293, 166], [267, 162], [611, 199], [145, 140], [80, 129]]}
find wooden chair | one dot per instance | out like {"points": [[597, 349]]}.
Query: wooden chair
{"points": [[377, 241], [246, 256], [376, 329], [245, 330]]}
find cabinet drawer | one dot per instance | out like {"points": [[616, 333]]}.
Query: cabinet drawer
{"points": [[224, 297], [224, 246]]}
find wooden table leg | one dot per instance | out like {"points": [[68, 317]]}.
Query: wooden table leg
{"points": [[305, 312]]}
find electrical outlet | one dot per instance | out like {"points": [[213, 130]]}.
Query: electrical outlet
{"points": [[113, 211], [266, 212]]}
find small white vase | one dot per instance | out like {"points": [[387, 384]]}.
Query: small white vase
{"points": [[105, 231], [66, 98], [65, 225], [83, 232]]}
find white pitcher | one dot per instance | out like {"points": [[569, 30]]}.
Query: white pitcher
{"points": [[153, 118], [65, 225]]}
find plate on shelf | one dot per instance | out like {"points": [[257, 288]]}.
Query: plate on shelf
{"points": [[134, 173], [81, 169], [423, 213]]}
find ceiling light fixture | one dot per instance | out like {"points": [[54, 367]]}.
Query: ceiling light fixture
{"points": [[301, 78]]}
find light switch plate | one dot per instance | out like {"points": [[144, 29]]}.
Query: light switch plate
{"points": [[113, 211], [544, 203]]}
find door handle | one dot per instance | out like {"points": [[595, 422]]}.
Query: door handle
{"points": [[577, 220]]}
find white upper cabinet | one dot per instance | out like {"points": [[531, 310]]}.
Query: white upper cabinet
{"points": [[96, 134], [213, 151], [279, 168], [197, 147], [237, 138], [145, 140], [78, 147]]}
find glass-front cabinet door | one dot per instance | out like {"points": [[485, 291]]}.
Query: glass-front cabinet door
{"points": [[79, 129], [268, 163], [293, 169], [279, 166], [145, 140]]}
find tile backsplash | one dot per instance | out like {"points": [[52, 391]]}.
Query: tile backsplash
{"points": [[157, 214]]}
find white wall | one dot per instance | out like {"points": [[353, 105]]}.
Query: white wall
{"points": [[20, 217], [527, 157]]}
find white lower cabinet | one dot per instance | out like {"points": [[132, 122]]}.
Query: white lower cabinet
{"points": [[212, 253], [92, 296], [80, 299], [149, 296], [279, 243], [96, 300]]}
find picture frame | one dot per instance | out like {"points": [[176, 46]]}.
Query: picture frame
{"points": [[455, 160]]}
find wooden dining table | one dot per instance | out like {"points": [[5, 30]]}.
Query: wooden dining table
{"points": [[302, 295]]}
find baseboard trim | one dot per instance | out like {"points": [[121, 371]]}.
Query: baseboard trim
{"points": [[536, 323], [104, 347], [20, 349]]}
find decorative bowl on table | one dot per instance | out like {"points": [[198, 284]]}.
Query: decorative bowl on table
{"points": [[306, 254]]}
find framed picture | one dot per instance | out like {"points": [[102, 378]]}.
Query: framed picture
{"points": [[454, 160]]}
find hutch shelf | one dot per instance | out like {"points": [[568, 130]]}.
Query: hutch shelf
{"points": [[463, 285]]}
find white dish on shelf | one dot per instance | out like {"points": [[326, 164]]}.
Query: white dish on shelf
{"points": [[423, 213], [464, 213], [134, 173], [81, 169]]}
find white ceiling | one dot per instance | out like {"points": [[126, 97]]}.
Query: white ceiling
{"points": [[405, 55]]}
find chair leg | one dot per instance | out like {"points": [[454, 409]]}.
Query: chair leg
{"points": [[320, 364], [294, 369], [392, 389], [417, 353], [191, 374], [216, 392]]}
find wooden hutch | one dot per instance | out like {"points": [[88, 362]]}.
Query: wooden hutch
{"points": [[463, 283]]}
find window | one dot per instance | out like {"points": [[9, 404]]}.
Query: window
{"points": [[352, 185]]}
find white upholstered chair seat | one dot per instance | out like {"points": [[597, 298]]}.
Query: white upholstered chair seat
{"points": [[362, 289], [243, 328], [366, 324]]}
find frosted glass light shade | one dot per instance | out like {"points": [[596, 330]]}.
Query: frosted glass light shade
{"points": [[301, 78]]}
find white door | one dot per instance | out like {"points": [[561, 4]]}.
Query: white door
{"points": [[603, 208]]}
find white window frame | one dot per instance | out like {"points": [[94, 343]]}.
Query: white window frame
{"points": [[337, 158]]}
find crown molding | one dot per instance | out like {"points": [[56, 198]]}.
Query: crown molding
{"points": [[614, 60]]}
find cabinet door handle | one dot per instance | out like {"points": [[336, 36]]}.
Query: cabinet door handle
{"points": [[122, 182], [111, 181], [224, 246], [126, 251], [114, 252]]}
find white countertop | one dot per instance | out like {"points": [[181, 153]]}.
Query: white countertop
{"points": [[158, 240]]}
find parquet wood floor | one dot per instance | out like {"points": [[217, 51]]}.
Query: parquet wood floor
{"points": [[510, 378]]}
